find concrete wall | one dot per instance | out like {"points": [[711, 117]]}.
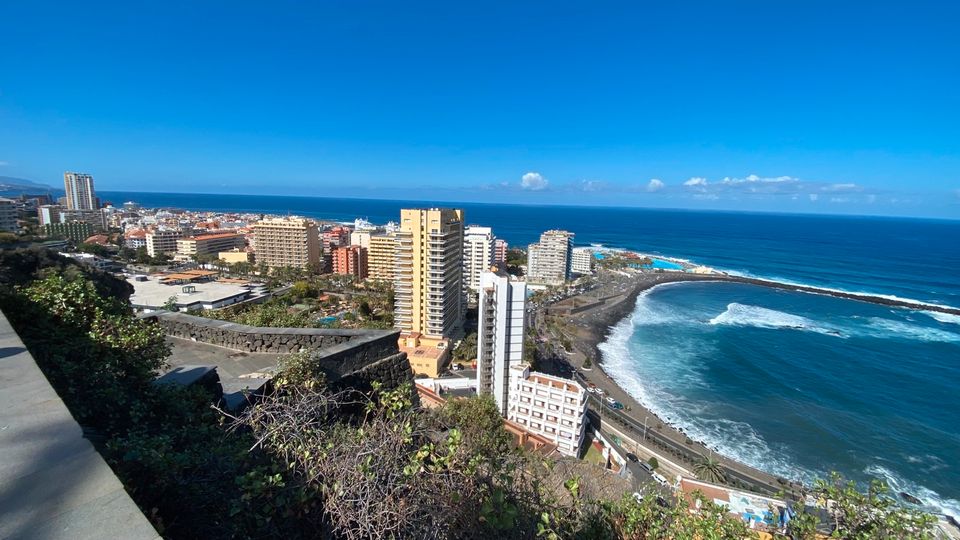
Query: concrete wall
{"points": [[245, 338], [348, 358], [53, 483]]}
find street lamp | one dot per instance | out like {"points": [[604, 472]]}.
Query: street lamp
{"points": [[645, 428]]}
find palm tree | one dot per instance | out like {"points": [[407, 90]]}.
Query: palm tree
{"points": [[709, 469]]}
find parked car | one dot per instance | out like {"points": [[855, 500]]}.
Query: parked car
{"points": [[610, 400], [617, 405], [659, 479], [647, 467], [632, 457]]}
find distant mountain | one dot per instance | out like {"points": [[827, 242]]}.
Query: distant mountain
{"points": [[9, 184]]}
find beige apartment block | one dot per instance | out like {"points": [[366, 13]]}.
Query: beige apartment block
{"points": [[209, 244], [429, 270], [289, 241], [381, 254]]}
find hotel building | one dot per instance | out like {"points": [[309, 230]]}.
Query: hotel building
{"points": [[500, 252], [477, 255], [281, 242], [351, 261], [550, 406], [162, 241], [48, 213], [381, 256], [428, 284], [80, 194], [209, 244], [8, 215], [549, 261], [500, 328], [582, 261]]}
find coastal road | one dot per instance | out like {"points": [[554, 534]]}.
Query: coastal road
{"points": [[586, 329]]}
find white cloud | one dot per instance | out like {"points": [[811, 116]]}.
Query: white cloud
{"points": [[4, 163], [814, 197], [592, 185], [841, 187], [533, 181], [696, 181], [655, 185], [750, 179]]}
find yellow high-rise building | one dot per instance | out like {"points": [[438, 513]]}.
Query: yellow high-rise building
{"points": [[428, 285], [381, 256]]}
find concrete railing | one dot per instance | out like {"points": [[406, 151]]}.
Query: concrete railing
{"points": [[53, 483]]}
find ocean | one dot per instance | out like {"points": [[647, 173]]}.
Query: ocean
{"points": [[793, 383]]}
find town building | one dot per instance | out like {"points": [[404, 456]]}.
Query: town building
{"points": [[76, 231], [8, 215], [500, 252], [549, 261], [381, 256], [582, 261], [500, 328], [550, 406], [360, 238], [477, 255], [209, 244], [335, 237], [135, 238], [428, 284], [350, 260], [162, 241], [47, 214], [95, 218], [158, 292], [236, 255], [80, 192], [289, 241]]}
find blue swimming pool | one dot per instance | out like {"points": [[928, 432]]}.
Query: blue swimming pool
{"points": [[660, 264]]}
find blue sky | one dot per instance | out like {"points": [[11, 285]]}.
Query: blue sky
{"points": [[839, 107]]}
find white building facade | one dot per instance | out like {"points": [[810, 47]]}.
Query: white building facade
{"points": [[500, 330], [582, 261], [477, 254], [163, 241], [8, 215], [550, 406], [549, 260]]}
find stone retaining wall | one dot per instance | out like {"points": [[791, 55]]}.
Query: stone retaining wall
{"points": [[254, 339]]}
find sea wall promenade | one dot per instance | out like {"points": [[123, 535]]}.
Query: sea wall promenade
{"points": [[53, 483]]}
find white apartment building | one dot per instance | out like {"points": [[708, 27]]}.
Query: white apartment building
{"points": [[549, 261], [8, 215], [549, 406], [582, 261], [80, 193], [162, 241], [477, 254], [500, 330]]}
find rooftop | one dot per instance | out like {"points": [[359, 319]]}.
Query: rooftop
{"points": [[154, 294]]}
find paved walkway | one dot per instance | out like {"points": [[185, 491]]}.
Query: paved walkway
{"points": [[239, 372], [53, 483]]}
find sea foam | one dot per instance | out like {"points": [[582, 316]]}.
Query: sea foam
{"points": [[931, 501], [761, 317]]}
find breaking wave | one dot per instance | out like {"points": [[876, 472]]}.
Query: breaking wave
{"points": [[760, 317], [929, 499]]}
